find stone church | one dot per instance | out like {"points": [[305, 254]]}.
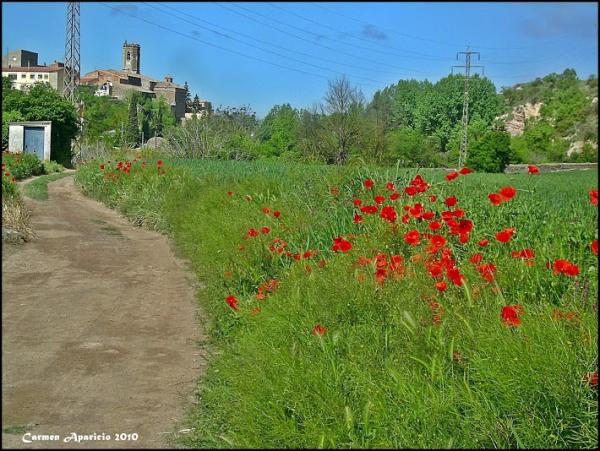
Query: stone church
{"points": [[116, 83]]}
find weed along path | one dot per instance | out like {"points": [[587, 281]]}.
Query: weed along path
{"points": [[99, 330]]}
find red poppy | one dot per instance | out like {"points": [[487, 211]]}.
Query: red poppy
{"points": [[159, 163], [452, 176], [476, 258], [405, 219], [357, 219], [334, 191], [266, 210], [507, 193], [428, 215], [451, 201], [441, 286], [487, 271], [390, 186], [388, 213], [319, 330], [434, 225], [410, 190], [594, 197], [412, 237], [252, 233], [532, 169], [483, 243], [277, 213], [265, 230], [458, 213], [525, 253], [229, 193], [455, 276], [369, 209], [379, 199], [417, 210], [340, 244], [368, 183], [464, 226], [592, 379], [102, 167], [394, 196], [595, 247], [465, 171], [495, 198], [562, 266], [510, 315], [232, 302], [505, 235], [357, 202], [432, 198]]}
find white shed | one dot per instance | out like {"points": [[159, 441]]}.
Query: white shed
{"points": [[30, 137]]}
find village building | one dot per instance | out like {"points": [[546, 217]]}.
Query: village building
{"points": [[22, 69]]}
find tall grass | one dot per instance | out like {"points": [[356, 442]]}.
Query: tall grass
{"points": [[384, 374]]}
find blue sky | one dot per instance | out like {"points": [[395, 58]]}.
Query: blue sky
{"points": [[263, 54]]}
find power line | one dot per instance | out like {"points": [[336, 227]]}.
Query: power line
{"points": [[447, 44], [462, 158], [308, 40], [421, 55], [257, 47]]}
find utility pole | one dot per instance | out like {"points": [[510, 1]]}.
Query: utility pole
{"points": [[462, 158]]}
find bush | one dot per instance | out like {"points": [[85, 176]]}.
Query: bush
{"points": [[22, 165], [52, 166], [491, 153]]}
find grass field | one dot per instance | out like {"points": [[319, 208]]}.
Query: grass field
{"points": [[38, 188], [402, 334]]}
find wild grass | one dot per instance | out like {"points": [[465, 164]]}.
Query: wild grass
{"points": [[384, 374], [38, 189]]}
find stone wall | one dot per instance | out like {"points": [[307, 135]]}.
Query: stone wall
{"points": [[551, 167]]}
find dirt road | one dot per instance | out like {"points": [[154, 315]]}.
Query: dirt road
{"points": [[99, 330]]}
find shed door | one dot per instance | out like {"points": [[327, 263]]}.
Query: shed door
{"points": [[34, 141]]}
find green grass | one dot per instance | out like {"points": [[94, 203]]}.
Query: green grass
{"points": [[38, 188], [384, 375]]}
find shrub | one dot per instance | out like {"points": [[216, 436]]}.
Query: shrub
{"points": [[52, 166], [22, 165], [491, 153]]}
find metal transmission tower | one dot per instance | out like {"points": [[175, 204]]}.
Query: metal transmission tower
{"points": [[462, 158], [72, 66]]}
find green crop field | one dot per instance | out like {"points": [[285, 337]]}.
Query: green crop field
{"points": [[411, 313]]}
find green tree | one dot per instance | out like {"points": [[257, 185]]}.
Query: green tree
{"points": [[188, 98], [132, 129], [491, 153], [278, 130]]}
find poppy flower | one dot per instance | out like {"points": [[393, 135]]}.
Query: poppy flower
{"points": [[441, 286], [562, 266], [394, 196], [432, 198], [405, 219], [495, 198], [340, 244], [595, 247], [510, 315], [594, 197], [319, 330], [451, 201], [265, 230], [357, 202], [357, 219], [434, 225], [390, 186], [102, 167], [476, 258], [388, 213], [412, 237], [266, 210], [483, 243], [525, 253], [277, 213], [505, 235], [229, 193], [379, 199], [369, 209], [232, 302], [591, 379], [455, 276], [452, 176], [334, 191], [252, 233], [465, 171], [487, 271], [368, 183], [428, 215], [159, 163], [507, 193], [410, 190], [532, 169]]}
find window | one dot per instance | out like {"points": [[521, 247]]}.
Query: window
{"points": [[12, 76], [128, 56], [40, 76], [45, 76], [23, 75], [31, 76]]}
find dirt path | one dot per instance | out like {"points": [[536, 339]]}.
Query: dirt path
{"points": [[99, 329]]}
